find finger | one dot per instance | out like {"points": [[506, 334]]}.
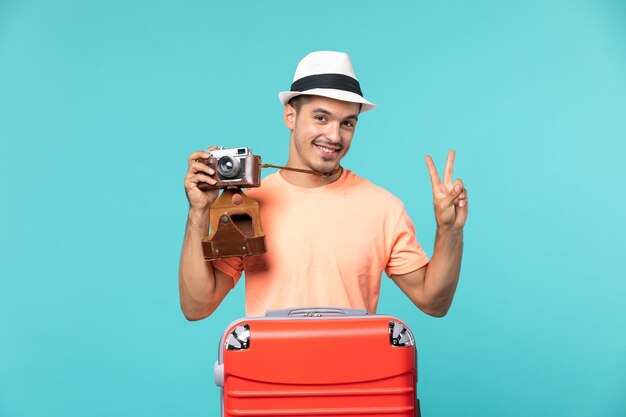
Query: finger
{"points": [[204, 178], [447, 172], [197, 167], [461, 198], [463, 203], [452, 196], [195, 179], [201, 154], [434, 176], [196, 155]]}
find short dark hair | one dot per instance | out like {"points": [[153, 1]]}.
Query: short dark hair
{"points": [[298, 101]]}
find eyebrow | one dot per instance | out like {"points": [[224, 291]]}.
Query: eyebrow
{"points": [[326, 112]]}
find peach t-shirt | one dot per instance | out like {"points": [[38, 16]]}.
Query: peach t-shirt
{"points": [[326, 246]]}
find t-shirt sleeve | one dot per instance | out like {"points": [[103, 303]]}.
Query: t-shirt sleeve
{"points": [[407, 254], [232, 267]]}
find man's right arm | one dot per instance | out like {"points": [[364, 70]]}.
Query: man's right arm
{"points": [[201, 286]]}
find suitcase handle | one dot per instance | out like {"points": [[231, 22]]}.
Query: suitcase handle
{"points": [[316, 312]]}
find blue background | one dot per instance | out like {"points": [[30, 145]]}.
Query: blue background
{"points": [[101, 102]]}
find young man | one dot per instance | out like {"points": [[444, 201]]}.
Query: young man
{"points": [[329, 237]]}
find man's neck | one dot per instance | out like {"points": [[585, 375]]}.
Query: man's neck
{"points": [[301, 179]]}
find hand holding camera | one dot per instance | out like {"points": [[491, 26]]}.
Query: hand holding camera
{"points": [[220, 168], [197, 173]]}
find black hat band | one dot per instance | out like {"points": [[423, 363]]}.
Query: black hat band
{"points": [[332, 81]]}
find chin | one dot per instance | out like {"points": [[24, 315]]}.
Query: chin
{"points": [[326, 169]]}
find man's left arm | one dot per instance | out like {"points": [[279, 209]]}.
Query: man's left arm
{"points": [[432, 287]]}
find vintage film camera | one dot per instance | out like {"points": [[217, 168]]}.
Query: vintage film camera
{"points": [[234, 219], [234, 167]]}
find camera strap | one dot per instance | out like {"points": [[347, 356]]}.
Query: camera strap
{"points": [[304, 171]]}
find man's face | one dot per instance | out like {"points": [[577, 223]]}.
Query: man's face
{"points": [[321, 132]]}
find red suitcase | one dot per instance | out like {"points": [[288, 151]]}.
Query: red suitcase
{"points": [[318, 362]]}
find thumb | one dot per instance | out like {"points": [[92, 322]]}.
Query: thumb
{"points": [[457, 189]]}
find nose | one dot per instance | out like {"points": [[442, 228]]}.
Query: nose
{"points": [[333, 133]]}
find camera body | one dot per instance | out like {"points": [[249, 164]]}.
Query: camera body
{"points": [[234, 167]]}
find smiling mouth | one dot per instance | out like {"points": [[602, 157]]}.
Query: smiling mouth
{"points": [[326, 150]]}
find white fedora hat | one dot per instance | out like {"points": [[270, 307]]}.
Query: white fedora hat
{"points": [[326, 74]]}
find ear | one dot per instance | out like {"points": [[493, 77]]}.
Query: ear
{"points": [[290, 116]]}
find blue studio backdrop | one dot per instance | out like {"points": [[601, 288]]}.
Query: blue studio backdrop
{"points": [[101, 103]]}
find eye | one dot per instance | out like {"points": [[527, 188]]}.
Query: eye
{"points": [[320, 118], [348, 123]]}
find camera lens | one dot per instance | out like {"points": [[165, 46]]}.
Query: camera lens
{"points": [[228, 167]]}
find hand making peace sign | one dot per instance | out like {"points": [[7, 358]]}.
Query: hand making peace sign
{"points": [[450, 198]]}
